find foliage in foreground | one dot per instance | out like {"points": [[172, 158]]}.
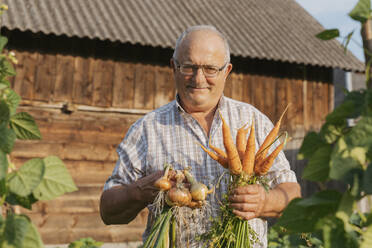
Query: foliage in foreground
{"points": [[37, 179], [340, 151]]}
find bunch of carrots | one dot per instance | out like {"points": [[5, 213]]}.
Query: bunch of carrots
{"points": [[246, 166], [186, 191]]}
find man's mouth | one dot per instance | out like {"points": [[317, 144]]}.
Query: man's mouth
{"points": [[197, 87]]}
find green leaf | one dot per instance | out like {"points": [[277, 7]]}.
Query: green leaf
{"points": [[303, 215], [3, 42], [367, 180], [16, 228], [4, 112], [361, 133], [56, 181], [3, 187], [309, 145], [322, 199], [27, 178], [347, 40], [7, 139], [328, 34], [24, 126], [345, 210], [12, 99], [334, 234], [32, 239], [318, 167], [361, 11], [342, 160], [3, 165], [367, 238], [331, 132], [25, 202], [9, 68], [3, 85], [343, 111]]}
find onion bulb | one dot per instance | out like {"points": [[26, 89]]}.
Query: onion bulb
{"points": [[198, 190], [178, 196], [163, 184]]}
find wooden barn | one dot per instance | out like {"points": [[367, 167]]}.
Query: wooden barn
{"points": [[88, 69]]}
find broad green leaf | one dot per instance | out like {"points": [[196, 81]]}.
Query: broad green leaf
{"points": [[303, 216], [32, 239], [341, 161], [4, 112], [367, 238], [361, 133], [361, 11], [310, 144], [27, 178], [354, 179], [25, 202], [3, 165], [329, 198], [367, 180], [345, 210], [3, 42], [9, 68], [7, 139], [16, 227], [12, 99], [24, 126], [3, 187], [328, 34], [317, 168], [330, 132], [334, 234], [56, 181], [339, 114], [3, 85]]}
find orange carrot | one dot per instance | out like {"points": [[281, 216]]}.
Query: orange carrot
{"points": [[262, 151], [217, 150], [222, 160], [241, 141], [264, 166], [248, 160], [235, 165]]}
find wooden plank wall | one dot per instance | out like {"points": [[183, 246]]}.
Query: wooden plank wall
{"points": [[84, 102]]}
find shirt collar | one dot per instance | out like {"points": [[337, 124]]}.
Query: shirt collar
{"points": [[221, 104]]}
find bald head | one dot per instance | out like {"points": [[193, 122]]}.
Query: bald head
{"points": [[204, 32]]}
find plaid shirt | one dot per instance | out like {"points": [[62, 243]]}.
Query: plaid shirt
{"points": [[170, 135]]}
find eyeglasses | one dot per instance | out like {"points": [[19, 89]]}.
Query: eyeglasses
{"points": [[208, 70]]}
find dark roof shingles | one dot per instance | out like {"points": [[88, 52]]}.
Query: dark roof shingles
{"points": [[264, 29]]}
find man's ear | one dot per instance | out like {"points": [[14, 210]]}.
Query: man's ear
{"points": [[228, 70], [172, 64]]}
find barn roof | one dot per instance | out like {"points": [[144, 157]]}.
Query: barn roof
{"points": [[263, 29]]}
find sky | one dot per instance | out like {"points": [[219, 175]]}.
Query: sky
{"points": [[334, 14]]}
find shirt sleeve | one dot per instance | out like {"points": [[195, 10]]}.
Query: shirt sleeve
{"points": [[131, 162], [280, 172]]}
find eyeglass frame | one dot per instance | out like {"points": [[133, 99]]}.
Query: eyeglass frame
{"points": [[196, 67]]}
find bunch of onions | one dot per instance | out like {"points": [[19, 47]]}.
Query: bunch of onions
{"points": [[171, 197]]}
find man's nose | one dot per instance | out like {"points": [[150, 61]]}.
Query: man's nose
{"points": [[199, 75]]}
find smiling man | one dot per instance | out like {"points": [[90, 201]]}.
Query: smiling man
{"points": [[201, 64]]}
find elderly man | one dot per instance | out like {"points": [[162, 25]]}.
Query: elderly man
{"points": [[201, 64]]}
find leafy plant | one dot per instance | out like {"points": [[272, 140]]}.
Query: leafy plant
{"points": [[342, 152], [85, 243], [37, 179]]}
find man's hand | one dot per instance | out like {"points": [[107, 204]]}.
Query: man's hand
{"points": [[252, 201], [121, 204], [248, 201]]}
